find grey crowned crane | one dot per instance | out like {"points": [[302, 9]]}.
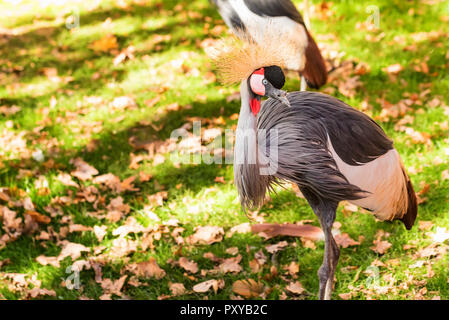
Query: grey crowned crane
{"points": [[249, 17], [330, 150]]}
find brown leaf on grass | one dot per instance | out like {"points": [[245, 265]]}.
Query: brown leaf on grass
{"points": [[4, 195], [273, 248], [440, 235], [380, 246], [220, 179], [425, 225], [345, 296], [66, 180], [295, 288], [292, 268], [445, 175], [177, 289], [78, 228], [121, 247], [344, 240], [123, 102], [393, 69], [128, 184], [105, 44], [116, 209], [131, 226], [143, 176], [188, 265], [248, 288], [270, 230], [83, 170], [36, 216], [147, 269], [152, 102], [11, 224], [206, 235], [157, 199], [110, 180], [9, 110], [255, 266], [206, 285], [231, 265], [71, 249], [100, 232], [232, 251], [43, 260], [211, 256], [241, 228], [37, 292], [112, 287]]}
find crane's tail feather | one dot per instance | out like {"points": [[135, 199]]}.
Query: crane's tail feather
{"points": [[315, 70], [412, 210]]}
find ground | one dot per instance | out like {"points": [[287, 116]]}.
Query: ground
{"points": [[87, 108]]}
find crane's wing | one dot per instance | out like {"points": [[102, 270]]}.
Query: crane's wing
{"points": [[356, 138], [275, 8], [229, 15]]}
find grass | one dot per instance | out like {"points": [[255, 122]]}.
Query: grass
{"points": [[56, 118]]}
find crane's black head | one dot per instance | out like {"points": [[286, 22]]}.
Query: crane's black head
{"points": [[268, 82]]}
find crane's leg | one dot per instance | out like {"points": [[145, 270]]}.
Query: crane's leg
{"points": [[303, 83], [332, 253], [326, 211]]}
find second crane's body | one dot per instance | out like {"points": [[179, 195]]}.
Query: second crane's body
{"points": [[257, 17]]}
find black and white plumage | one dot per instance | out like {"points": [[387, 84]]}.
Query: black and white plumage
{"points": [[330, 150], [252, 17]]}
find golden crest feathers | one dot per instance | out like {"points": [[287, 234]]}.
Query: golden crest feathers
{"points": [[237, 58]]}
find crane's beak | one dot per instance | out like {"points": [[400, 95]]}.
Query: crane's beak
{"points": [[279, 95]]}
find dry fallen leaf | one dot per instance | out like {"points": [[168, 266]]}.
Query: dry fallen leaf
{"points": [[273, 248], [36, 216], [206, 285], [380, 246], [147, 269], [83, 171], [232, 251], [231, 265], [112, 287], [73, 250], [105, 44], [345, 296], [394, 68], [295, 288], [206, 235], [344, 240], [177, 289], [292, 268], [248, 288], [36, 292], [188, 265]]}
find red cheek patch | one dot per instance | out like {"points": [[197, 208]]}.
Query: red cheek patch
{"points": [[255, 106]]}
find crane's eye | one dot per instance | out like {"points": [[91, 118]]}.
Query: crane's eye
{"points": [[264, 82]]}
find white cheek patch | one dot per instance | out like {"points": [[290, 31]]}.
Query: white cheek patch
{"points": [[256, 84]]}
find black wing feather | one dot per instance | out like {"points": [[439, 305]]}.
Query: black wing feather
{"points": [[356, 138], [275, 8]]}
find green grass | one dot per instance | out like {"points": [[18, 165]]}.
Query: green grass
{"points": [[40, 39]]}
